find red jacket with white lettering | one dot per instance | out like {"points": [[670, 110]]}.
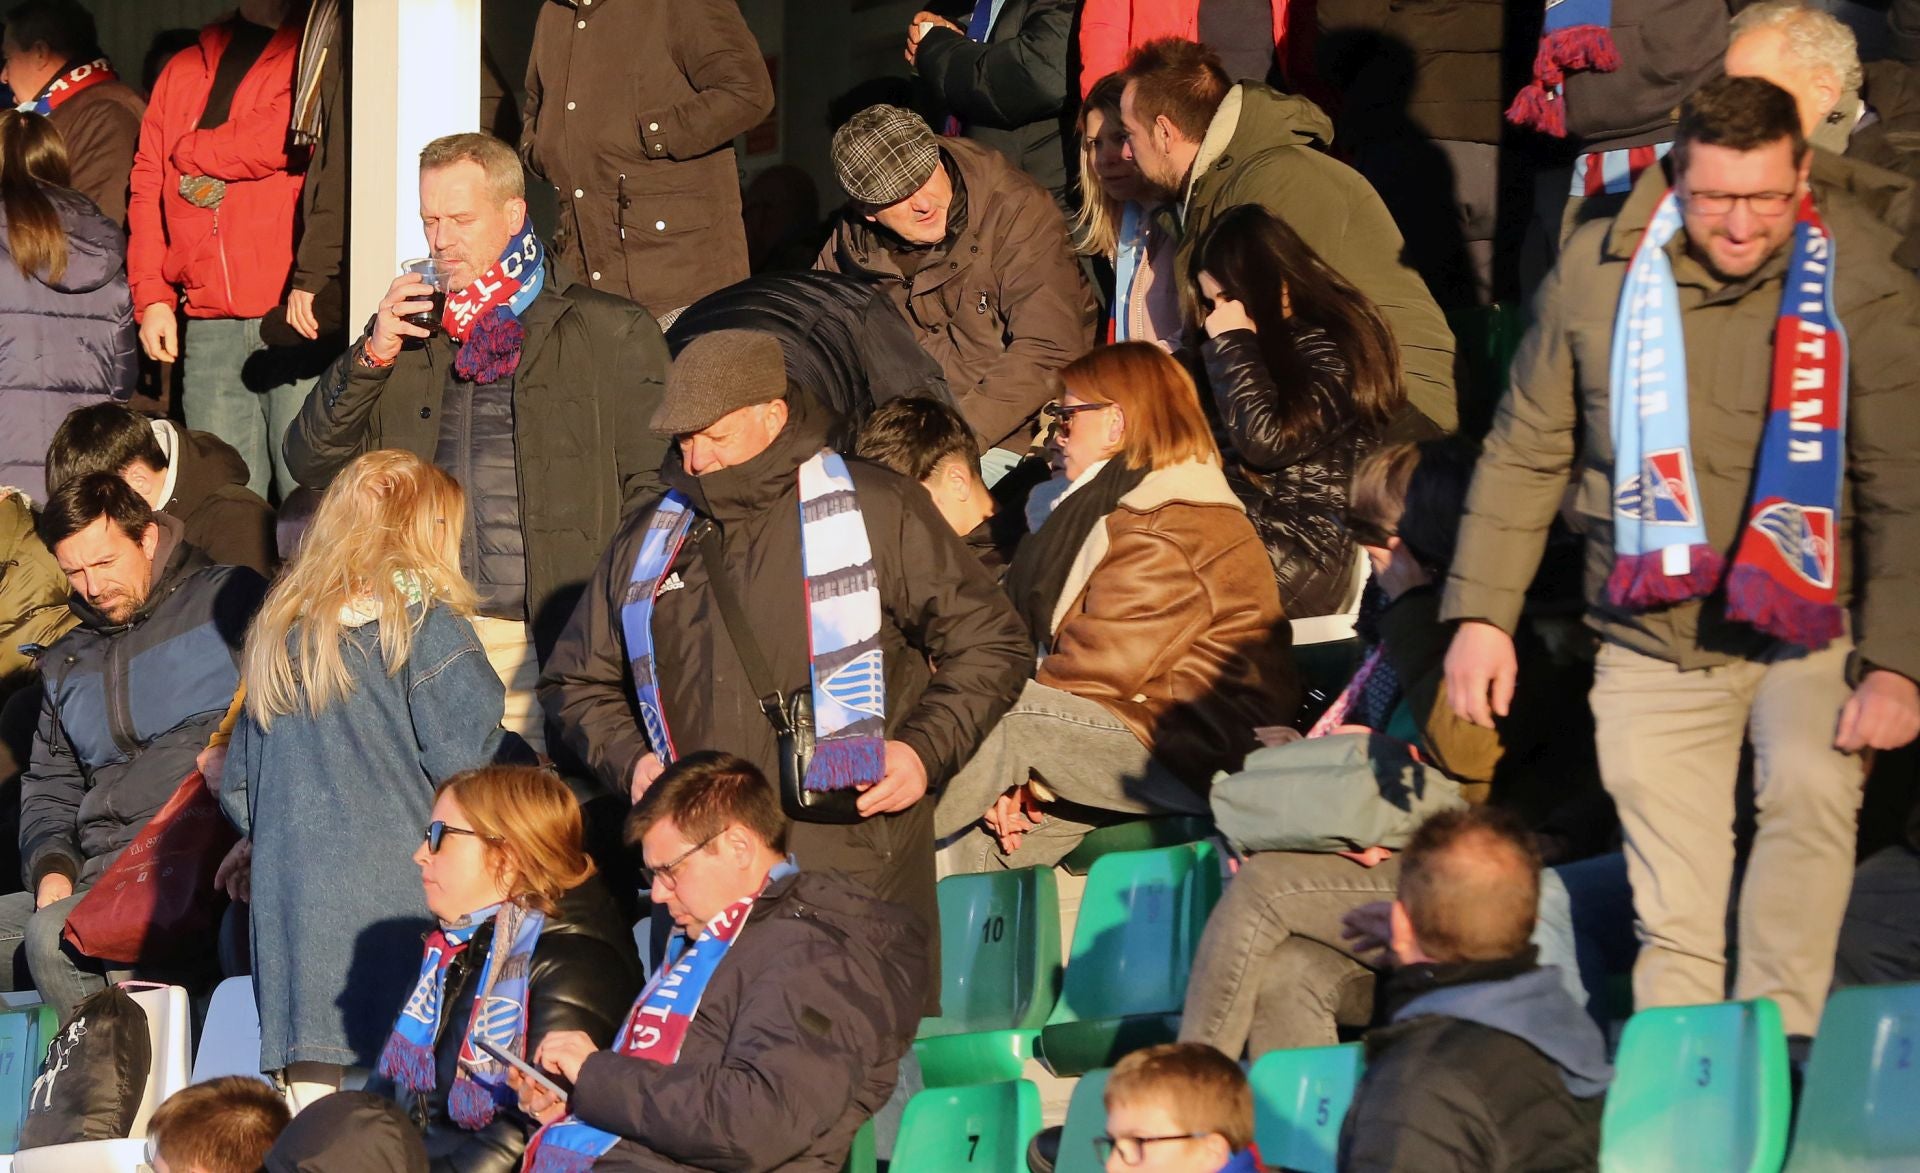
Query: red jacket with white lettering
{"points": [[232, 261]]}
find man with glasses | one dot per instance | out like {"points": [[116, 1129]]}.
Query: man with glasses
{"points": [[776, 1028], [1753, 535], [1178, 1108]]}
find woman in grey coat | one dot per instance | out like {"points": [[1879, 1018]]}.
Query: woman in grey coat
{"points": [[366, 688], [66, 321]]}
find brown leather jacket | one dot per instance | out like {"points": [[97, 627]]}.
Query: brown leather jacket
{"points": [[632, 108], [1170, 618], [1000, 305]]}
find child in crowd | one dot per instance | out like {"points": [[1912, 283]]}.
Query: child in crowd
{"points": [[1178, 1108], [225, 1125]]}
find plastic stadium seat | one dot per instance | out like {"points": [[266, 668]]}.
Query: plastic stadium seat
{"points": [[1135, 835], [1699, 1087], [999, 975], [1860, 1107], [984, 1128], [1300, 1099], [861, 1158], [1140, 918], [24, 1035], [230, 1038], [1086, 1119], [169, 1028], [1485, 339]]}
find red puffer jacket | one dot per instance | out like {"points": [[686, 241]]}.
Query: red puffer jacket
{"points": [[231, 261]]}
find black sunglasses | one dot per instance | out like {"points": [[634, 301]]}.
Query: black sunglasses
{"points": [[439, 829], [1062, 415]]}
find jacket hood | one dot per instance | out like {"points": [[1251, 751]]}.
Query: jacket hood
{"points": [[1259, 118], [96, 246], [1535, 1008], [349, 1132], [176, 561], [203, 463], [743, 490]]}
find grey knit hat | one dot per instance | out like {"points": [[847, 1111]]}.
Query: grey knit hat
{"points": [[883, 154], [718, 373]]}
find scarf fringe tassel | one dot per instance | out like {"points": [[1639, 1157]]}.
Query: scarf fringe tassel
{"points": [[492, 350], [845, 762], [1755, 597], [553, 1159], [1638, 584], [1538, 105], [471, 1105], [408, 1064]]}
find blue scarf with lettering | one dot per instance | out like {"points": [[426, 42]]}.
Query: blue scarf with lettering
{"points": [[846, 666], [499, 1014], [1783, 578], [484, 318]]}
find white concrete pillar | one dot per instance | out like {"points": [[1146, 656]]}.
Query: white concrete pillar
{"points": [[416, 76]]}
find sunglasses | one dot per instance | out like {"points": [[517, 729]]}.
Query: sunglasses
{"points": [[1062, 415], [439, 829]]}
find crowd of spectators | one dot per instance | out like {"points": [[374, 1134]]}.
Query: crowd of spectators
{"points": [[596, 658]]}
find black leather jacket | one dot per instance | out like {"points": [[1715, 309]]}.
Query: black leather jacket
{"points": [[586, 974], [1295, 493]]}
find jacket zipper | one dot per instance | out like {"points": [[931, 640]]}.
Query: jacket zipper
{"points": [[220, 246], [119, 715]]}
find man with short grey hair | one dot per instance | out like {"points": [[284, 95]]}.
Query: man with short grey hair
{"points": [[975, 255], [1868, 113], [536, 397]]}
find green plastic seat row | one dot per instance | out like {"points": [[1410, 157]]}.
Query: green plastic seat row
{"points": [[999, 976], [1860, 1109], [1699, 1087], [24, 1035], [981, 1128]]}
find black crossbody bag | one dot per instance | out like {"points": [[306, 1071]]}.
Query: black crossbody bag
{"points": [[790, 714]]}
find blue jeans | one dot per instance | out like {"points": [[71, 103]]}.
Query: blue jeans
{"points": [[30, 943], [245, 393], [1585, 926]]}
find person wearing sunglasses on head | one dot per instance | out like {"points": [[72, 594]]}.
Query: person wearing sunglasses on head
{"points": [[1162, 641], [528, 942], [366, 687]]}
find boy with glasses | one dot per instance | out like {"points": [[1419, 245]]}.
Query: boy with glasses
{"points": [[1178, 1108]]}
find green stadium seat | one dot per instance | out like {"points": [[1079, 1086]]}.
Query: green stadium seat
{"points": [[1699, 1087], [1300, 1099], [982, 1128], [1485, 339], [861, 1158], [1140, 918], [1086, 1119], [1860, 1107], [24, 1035], [999, 976], [1135, 835]]}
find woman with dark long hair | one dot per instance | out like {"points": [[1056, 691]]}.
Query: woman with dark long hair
{"points": [[1304, 380], [66, 320]]}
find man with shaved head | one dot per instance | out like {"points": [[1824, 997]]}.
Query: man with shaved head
{"points": [[1486, 1063]]}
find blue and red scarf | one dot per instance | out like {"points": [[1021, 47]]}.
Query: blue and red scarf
{"points": [[485, 316], [846, 665], [499, 1014], [1783, 579], [655, 1030], [62, 88], [1576, 35]]}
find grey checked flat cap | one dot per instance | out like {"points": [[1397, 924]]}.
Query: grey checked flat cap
{"points": [[719, 373], [883, 154]]}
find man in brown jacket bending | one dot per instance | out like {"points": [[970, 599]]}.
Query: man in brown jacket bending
{"points": [[975, 254], [632, 109], [55, 67], [1753, 574]]}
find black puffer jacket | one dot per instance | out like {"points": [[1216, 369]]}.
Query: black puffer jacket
{"points": [[476, 447], [796, 1042], [585, 975], [1295, 490], [842, 338]]}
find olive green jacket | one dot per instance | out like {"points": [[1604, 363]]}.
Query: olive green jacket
{"points": [[33, 592]]}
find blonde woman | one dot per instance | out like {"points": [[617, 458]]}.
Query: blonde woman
{"points": [[365, 689], [536, 946], [1126, 220]]}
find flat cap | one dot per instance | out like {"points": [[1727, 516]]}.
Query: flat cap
{"points": [[883, 154], [719, 373]]}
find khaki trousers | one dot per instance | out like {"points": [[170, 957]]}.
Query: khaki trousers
{"points": [[1669, 745], [509, 648]]}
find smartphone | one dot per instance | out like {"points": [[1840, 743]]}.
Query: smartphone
{"points": [[525, 1068]]}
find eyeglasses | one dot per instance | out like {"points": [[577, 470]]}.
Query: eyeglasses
{"points": [[666, 870], [439, 829], [1062, 415], [1760, 203], [1133, 1149]]}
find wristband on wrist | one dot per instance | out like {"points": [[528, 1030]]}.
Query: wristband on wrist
{"points": [[369, 359]]}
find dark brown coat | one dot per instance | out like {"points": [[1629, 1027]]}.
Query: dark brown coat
{"points": [[101, 126], [1001, 305], [632, 108]]}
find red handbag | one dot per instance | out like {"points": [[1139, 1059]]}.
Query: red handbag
{"points": [[157, 902]]}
